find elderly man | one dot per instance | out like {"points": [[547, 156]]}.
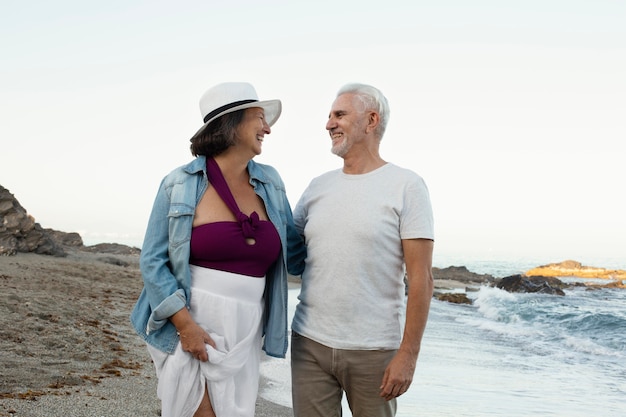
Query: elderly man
{"points": [[366, 227]]}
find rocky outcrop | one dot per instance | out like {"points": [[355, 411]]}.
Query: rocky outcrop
{"points": [[542, 280], [112, 248], [456, 297], [461, 274], [535, 284], [455, 277], [576, 269], [71, 239], [20, 233], [613, 284]]}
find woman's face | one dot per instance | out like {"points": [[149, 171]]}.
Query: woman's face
{"points": [[252, 130]]}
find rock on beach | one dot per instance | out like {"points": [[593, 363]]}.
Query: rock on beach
{"points": [[571, 268]]}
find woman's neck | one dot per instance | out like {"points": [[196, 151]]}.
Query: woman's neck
{"points": [[233, 169]]}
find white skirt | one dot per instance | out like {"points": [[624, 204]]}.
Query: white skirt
{"points": [[230, 308]]}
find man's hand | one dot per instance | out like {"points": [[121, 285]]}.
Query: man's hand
{"points": [[398, 376]]}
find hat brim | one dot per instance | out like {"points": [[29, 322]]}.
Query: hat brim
{"points": [[272, 109]]}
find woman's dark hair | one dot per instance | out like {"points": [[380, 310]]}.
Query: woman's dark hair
{"points": [[218, 136]]}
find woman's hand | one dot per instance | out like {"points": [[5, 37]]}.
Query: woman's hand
{"points": [[193, 338]]}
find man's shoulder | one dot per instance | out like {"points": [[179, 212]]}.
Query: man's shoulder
{"points": [[401, 173], [400, 169], [326, 176]]}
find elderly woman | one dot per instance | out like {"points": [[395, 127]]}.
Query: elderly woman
{"points": [[214, 261]]}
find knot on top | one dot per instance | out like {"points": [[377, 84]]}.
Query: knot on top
{"points": [[248, 224]]}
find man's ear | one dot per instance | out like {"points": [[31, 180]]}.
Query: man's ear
{"points": [[373, 119]]}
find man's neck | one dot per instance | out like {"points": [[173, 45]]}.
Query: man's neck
{"points": [[362, 164]]}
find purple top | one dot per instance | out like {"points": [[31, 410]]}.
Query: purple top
{"points": [[223, 245]]}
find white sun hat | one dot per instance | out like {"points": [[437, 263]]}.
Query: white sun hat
{"points": [[229, 97]]}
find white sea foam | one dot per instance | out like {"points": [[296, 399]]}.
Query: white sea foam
{"points": [[277, 375]]}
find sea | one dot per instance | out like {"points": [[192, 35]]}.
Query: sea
{"points": [[509, 354]]}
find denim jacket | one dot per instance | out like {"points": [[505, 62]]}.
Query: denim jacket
{"points": [[164, 259]]}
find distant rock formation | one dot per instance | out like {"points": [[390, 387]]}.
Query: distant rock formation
{"points": [[525, 283], [20, 233], [576, 269], [461, 274], [112, 248]]}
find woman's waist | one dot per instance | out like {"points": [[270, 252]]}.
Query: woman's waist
{"points": [[227, 284]]}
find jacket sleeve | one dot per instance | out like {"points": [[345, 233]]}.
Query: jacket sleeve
{"points": [[162, 289], [296, 250]]}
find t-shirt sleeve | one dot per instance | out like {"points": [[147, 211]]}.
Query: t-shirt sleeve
{"points": [[416, 220], [299, 213]]}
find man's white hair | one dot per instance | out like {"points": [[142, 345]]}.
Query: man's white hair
{"points": [[372, 99]]}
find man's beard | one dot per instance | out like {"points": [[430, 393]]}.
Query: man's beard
{"points": [[342, 148]]}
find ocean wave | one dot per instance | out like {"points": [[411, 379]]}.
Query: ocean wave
{"points": [[587, 323]]}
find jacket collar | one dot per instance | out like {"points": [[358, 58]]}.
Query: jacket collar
{"points": [[256, 172], [196, 166], [199, 165]]}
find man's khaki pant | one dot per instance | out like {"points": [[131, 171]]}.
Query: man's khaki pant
{"points": [[320, 375]]}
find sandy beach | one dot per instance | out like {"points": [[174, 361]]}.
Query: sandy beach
{"points": [[66, 344]]}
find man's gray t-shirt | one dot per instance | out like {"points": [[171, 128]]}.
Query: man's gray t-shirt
{"points": [[352, 294]]}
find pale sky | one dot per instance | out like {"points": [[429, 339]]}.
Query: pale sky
{"points": [[514, 112]]}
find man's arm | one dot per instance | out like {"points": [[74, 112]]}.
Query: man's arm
{"points": [[398, 376]]}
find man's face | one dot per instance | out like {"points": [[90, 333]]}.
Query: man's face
{"points": [[346, 124]]}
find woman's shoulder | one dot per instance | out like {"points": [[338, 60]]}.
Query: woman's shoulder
{"points": [[183, 172], [264, 172]]}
